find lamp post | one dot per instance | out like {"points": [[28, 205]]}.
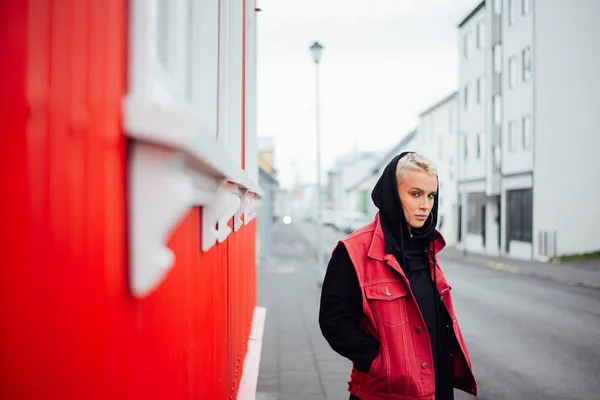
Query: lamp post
{"points": [[316, 50]]}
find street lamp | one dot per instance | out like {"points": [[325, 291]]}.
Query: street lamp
{"points": [[316, 50]]}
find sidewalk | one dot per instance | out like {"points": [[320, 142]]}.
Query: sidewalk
{"points": [[296, 362], [584, 274]]}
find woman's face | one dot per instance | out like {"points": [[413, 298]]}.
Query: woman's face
{"points": [[417, 191]]}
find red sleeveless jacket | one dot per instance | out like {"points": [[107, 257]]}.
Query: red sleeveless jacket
{"points": [[403, 370]]}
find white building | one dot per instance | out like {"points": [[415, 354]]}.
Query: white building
{"points": [[530, 176], [359, 194], [437, 139], [344, 174]]}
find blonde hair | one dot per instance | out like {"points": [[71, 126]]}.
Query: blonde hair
{"points": [[414, 161]]}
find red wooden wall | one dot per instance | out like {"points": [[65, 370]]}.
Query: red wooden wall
{"points": [[69, 329]]}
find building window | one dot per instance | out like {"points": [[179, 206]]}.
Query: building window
{"points": [[526, 64], [526, 6], [480, 145], [475, 204], [520, 210], [467, 45], [497, 159], [512, 11], [466, 96], [513, 137], [466, 147], [497, 58], [480, 89], [497, 109], [498, 7], [526, 127], [512, 72], [480, 35]]}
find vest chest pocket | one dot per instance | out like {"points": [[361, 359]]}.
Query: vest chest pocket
{"points": [[388, 301]]}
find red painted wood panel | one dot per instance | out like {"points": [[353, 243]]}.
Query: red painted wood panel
{"points": [[68, 326]]}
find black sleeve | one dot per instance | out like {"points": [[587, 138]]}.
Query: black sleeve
{"points": [[341, 310]]}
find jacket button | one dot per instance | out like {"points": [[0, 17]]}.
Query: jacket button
{"points": [[418, 329], [424, 365], [442, 298]]}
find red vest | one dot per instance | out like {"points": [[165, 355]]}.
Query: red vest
{"points": [[403, 370]]}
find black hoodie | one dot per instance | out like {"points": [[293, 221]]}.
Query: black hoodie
{"points": [[341, 299]]}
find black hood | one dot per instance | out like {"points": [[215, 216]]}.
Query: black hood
{"points": [[386, 199]]}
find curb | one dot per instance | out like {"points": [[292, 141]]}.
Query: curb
{"points": [[503, 267]]}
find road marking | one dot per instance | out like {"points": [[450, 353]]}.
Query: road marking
{"points": [[503, 267], [514, 270]]}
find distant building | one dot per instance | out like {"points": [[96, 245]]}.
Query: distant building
{"points": [[267, 181], [359, 195], [345, 174], [437, 139]]}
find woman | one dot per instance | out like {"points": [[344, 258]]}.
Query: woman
{"points": [[385, 303]]}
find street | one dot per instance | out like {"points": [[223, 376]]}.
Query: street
{"points": [[529, 338]]}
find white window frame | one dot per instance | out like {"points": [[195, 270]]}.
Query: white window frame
{"points": [[498, 7], [497, 159], [497, 109], [171, 115], [526, 132], [513, 137], [480, 89], [497, 58], [525, 7], [481, 35], [512, 72], [526, 64], [512, 12]]}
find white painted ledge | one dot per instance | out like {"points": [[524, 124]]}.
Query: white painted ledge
{"points": [[249, 382], [174, 165]]}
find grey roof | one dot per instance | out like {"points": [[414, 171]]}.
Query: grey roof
{"points": [[387, 157], [472, 13], [439, 103]]}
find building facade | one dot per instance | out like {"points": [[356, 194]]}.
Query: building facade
{"points": [[535, 127], [437, 139], [129, 189]]}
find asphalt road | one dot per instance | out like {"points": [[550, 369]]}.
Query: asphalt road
{"points": [[528, 338]]}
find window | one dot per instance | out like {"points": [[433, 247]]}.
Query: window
{"points": [[475, 207], [498, 7], [480, 89], [480, 35], [497, 109], [497, 159], [480, 145], [512, 72], [526, 6], [467, 45], [466, 96], [512, 11], [513, 137], [497, 58], [526, 131], [466, 147], [526, 64], [520, 210]]}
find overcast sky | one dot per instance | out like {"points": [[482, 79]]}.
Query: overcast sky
{"points": [[384, 62]]}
